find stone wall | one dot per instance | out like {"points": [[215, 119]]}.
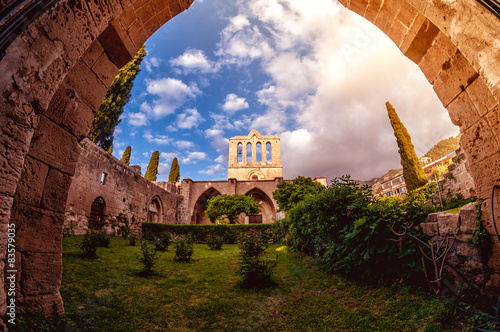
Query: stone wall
{"points": [[123, 189], [463, 255], [458, 180]]}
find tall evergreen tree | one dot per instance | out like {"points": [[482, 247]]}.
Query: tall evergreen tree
{"points": [[175, 174], [126, 155], [152, 170], [412, 170], [108, 116]]}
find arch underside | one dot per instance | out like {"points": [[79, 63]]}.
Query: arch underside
{"points": [[57, 72]]}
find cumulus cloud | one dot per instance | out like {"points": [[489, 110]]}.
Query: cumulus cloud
{"points": [[151, 63], [213, 132], [158, 139], [213, 170], [193, 157], [137, 119], [168, 156], [195, 61], [233, 103], [189, 119], [331, 73], [185, 144], [170, 94]]}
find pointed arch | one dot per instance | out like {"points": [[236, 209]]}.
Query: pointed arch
{"points": [[200, 206], [267, 213], [155, 209], [97, 209]]}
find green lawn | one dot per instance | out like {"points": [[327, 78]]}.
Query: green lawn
{"points": [[108, 294]]}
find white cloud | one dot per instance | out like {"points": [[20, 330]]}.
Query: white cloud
{"points": [[163, 170], [213, 132], [233, 103], [149, 63], [171, 94], [189, 119], [212, 170], [159, 139], [185, 144], [195, 61], [168, 156], [193, 157], [137, 119]]}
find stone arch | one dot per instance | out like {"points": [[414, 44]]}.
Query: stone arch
{"points": [[267, 210], [255, 174], [58, 70], [198, 216], [155, 209], [97, 211]]}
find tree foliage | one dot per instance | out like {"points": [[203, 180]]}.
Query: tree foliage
{"points": [[152, 170], [412, 169], [226, 208], [175, 174], [287, 194], [126, 155], [443, 148], [108, 116]]}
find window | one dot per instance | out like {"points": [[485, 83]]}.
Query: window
{"points": [[103, 178], [269, 154], [258, 152], [249, 152], [96, 219], [255, 219], [255, 178], [240, 152]]}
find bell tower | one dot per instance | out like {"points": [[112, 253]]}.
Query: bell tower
{"points": [[254, 157]]}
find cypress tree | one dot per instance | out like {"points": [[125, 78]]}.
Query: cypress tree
{"points": [[108, 116], [175, 174], [126, 155], [152, 170], [412, 170]]}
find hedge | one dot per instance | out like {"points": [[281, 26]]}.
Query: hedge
{"points": [[199, 232]]}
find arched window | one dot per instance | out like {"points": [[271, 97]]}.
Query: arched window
{"points": [[255, 177], [96, 219], [269, 152], [258, 152], [154, 211], [240, 152], [249, 152]]}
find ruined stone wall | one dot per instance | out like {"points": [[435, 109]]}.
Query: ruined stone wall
{"points": [[463, 255], [458, 180], [124, 191]]}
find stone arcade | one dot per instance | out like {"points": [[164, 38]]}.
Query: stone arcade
{"points": [[58, 69]]}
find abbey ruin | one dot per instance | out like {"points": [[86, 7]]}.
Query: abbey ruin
{"points": [[58, 61]]}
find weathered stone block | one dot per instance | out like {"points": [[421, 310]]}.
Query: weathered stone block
{"points": [[455, 77], [54, 146], [430, 228], [358, 6], [466, 249], [412, 32], [92, 53], [41, 278], [48, 304], [372, 10], [481, 96], [56, 191], [105, 70], [80, 79], [479, 142], [433, 217], [78, 120], [446, 44], [387, 14], [432, 62], [462, 111], [38, 230], [117, 44], [486, 173], [137, 35], [422, 41], [493, 284], [31, 183], [448, 223]]}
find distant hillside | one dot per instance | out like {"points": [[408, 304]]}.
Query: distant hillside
{"points": [[443, 147]]}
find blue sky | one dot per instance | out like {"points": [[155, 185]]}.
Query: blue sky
{"points": [[313, 73]]}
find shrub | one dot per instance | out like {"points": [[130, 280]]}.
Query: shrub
{"points": [[161, 241], [148, 257], [256, 267], [183, 249], [102, 239], [89, 245], [215, 239], [132, 239], [347, 230]]}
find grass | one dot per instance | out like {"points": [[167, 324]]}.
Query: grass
{"points": [[108, 294], [455, 210]]}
